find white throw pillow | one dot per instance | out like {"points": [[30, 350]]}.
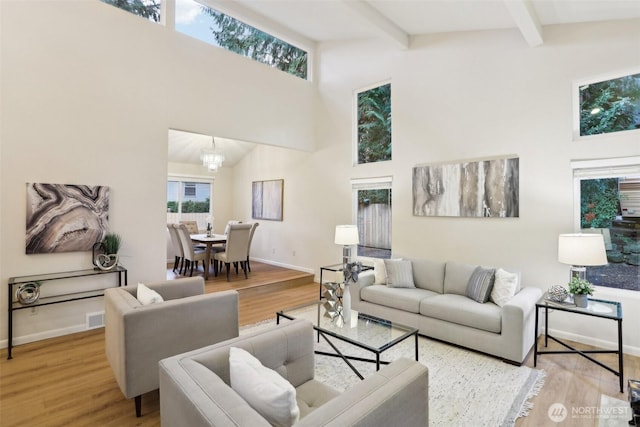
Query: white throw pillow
{"points": [[263, 389], [379, 272], [504, 287], [147, 296]]}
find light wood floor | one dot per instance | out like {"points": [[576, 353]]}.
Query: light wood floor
{"points": [[67, 381]]}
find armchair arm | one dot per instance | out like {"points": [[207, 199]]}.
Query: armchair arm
{"points": [[396, 393], [179, 288]]}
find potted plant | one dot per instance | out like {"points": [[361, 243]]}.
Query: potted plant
{"points": [[580, 289], [109, 247]]}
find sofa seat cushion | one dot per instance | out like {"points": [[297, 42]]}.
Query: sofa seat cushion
{"points": [[406, 299], [463, 311], [312, 395]]}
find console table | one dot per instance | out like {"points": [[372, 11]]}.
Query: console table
{"points": [[41, 280], [603, 309]]}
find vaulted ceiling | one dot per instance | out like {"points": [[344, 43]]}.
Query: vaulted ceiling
{"points": [[399, 20]]}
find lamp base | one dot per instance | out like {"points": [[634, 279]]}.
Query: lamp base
{"points": [[578, 271]]}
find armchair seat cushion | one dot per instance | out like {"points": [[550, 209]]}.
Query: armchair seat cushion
{"points": [[312, 395]]}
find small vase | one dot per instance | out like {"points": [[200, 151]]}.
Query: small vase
{"points": [[581, 301], [346, 305]]}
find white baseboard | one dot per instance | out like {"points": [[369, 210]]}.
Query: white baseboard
{"points": [[627, 349], [283, 265], [25, 339]]}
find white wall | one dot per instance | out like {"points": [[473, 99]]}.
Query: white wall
{"points": [[95, 105], [456, 97], [88, 94]]}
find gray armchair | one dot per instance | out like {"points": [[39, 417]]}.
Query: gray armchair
{"points": [[138, 336], [195, 390]]}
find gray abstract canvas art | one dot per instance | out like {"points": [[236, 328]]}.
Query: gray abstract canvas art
{"points": [[485, 188], [65, 218]]}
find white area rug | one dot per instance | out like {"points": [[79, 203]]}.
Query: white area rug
{"points": [[612, 412], [465, 388]]}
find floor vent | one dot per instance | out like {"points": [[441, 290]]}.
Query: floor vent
{"points": [[95, 320]]}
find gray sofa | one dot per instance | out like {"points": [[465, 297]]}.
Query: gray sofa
{"points": [[195, 390], [439, 308]]}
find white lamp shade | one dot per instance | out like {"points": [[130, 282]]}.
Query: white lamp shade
{"points": [[581, 249], [347, 235]]}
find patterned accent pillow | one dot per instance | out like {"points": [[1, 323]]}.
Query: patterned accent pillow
{"points": [[399, 273], [480, 284]]}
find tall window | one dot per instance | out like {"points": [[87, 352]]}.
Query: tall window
{"points": [[608, 203], [189, 201], [374, 124], [218, 29], [372, 200]]}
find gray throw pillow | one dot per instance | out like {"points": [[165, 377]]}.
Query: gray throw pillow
{"points": [[399, 273], [480, 284]]}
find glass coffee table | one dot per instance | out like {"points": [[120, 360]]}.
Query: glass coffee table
{"points": [[367, 332]]}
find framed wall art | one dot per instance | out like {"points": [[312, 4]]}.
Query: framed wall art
{"points": [[479, 188], [266, 199], [65, 218]]}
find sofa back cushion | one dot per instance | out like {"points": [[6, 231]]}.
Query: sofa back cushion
{"points": [[428, 274], [456, 277]]}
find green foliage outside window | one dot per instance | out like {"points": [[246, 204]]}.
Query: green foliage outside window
{"points": [[599, 202], [191, 206], [374, 125], [381, 196], [149, 9], [245, 40], [610, 106]]}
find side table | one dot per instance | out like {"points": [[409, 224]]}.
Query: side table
{"points": [[335, 268], [603, 309]]}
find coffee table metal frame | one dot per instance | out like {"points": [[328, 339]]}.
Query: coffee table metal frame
{"points": [[615, 314], [327, 334]]}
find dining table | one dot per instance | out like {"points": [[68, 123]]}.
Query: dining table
{"points": [[209, 241]]}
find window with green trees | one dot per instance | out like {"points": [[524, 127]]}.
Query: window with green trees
{"points": [[219, 29], [610, 106], [374, 124], [149, 9]]}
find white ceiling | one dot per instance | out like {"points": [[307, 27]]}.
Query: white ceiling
{"points": [[330, 20], [314, 21], [185, 147]]}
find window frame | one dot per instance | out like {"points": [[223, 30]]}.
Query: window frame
{"points": [[601, 168], [576, 104], [376, 183], [180, 178], [354, 129]]}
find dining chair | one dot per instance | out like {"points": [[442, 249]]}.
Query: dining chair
{"points": [[235, 248], [253, 230], [177, 247], [191, 254], [192, 226]]}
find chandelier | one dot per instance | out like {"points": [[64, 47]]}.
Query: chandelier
{"points": [[211, 158]]}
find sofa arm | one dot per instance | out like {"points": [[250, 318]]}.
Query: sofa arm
{"points": [[365, 278], [518, 322], [398, 393]]}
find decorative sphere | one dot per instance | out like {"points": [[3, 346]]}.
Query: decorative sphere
{"points": [[557, 293]]}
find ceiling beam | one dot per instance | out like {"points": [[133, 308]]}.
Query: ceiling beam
{"points": [[526, 19], [379, 22]]}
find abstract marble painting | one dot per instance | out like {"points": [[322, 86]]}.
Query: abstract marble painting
{"points": [[65, 218], [485, 188]]}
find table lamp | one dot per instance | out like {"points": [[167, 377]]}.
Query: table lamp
{"points": [[581, 250], [346, 235]]}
